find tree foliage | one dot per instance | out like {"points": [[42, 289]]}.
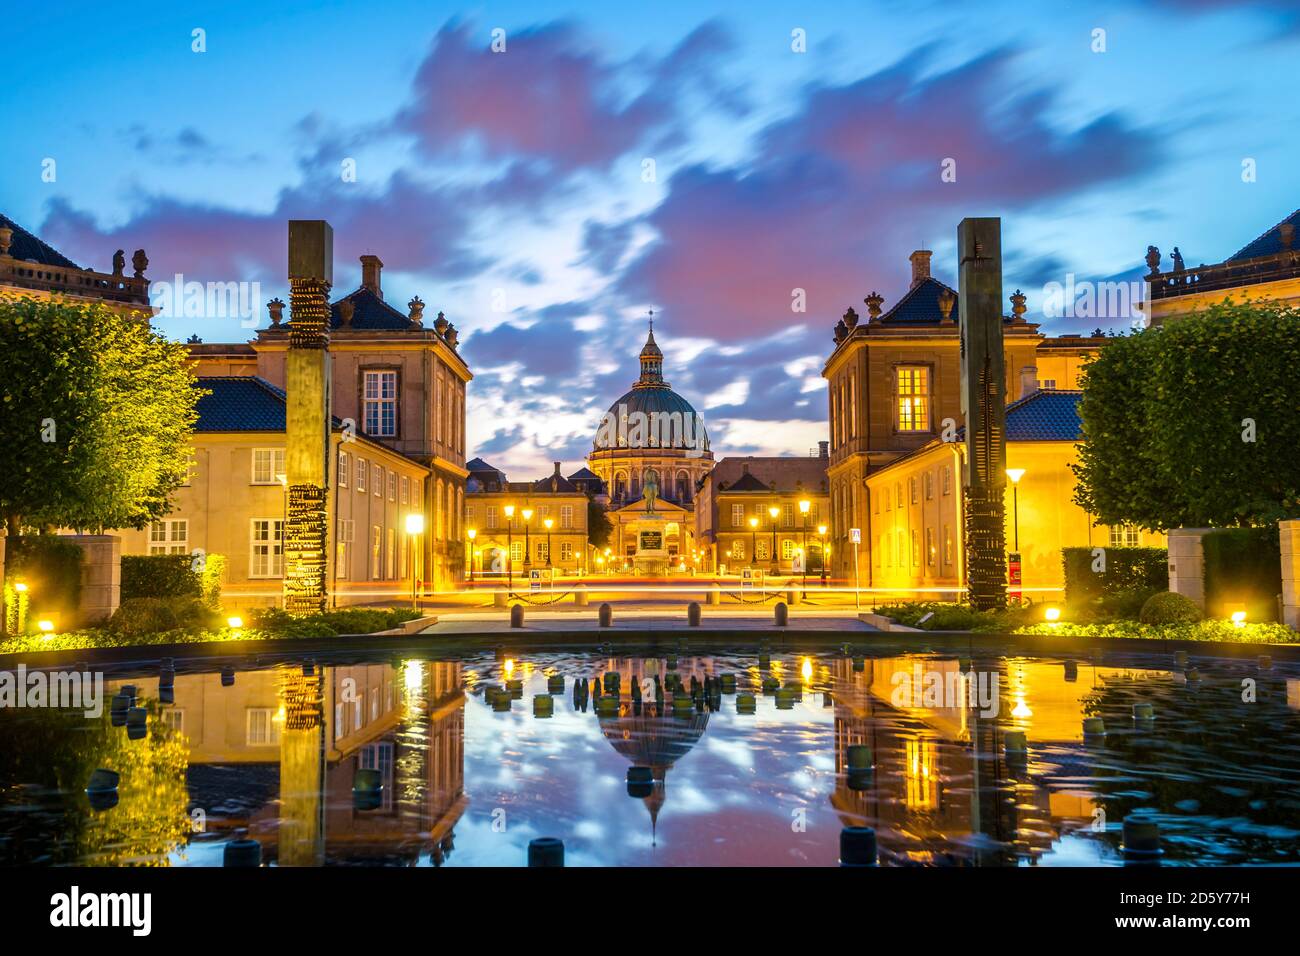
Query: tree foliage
{"points": [[96, 411], [1195, 423], [599, 527]]}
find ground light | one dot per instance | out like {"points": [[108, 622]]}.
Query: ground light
{"points": [[1052, 615], [1238, 618], [234, 623], [47, 627]]}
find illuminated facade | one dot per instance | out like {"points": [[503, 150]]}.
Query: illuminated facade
{"points": [[539, 524]]}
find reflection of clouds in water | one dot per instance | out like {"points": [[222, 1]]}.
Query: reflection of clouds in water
{"points": [[736, 752]]}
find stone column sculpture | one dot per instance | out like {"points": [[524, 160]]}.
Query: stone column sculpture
{"points": [[307, 419], [983, 390]]}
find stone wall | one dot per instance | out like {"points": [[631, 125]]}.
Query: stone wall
{"points": [[101, 576], [1289, 532], [1187, 563]]}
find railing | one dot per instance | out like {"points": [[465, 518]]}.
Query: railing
{"points": [[78, 282], [1226, 275]]}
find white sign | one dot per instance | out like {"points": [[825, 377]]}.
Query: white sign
{"points": [[535, 580], [855, 535]]}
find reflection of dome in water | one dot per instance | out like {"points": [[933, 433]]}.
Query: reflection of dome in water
{"points": [[654, 742]]}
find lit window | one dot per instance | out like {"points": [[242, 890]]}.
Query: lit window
{"points": [[566, 551], [947, 545], [787, 514], [343, 469], [268, 465], [1125, 536], [406, 489], [376, 558], [266, 557], [927, 481], [916, 549], [169, 537], [947, 479], [380, 403], [738, 550], [787, 549], [391, 552], [566, 516], [737, 516], [516, 552], [361, 475], [913, 398], [911, 489], [930, 550], [492, 516], [377, 481]]}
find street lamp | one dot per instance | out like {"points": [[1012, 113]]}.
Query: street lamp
{"points": [[472, 535], [548, 522], [774, 511], [753, 540], [1015, 474], [510, 545], [821, 533], [528, 516], [414, 528], [804, 506]]}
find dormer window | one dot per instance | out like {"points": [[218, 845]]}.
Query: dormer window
{"points": [[379, 402]]}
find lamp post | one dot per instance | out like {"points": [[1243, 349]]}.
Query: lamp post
{"points": [[510, 545], [548, 522], [1015, 474], [773, 512], [472, 535], [753, 540], [528, 516], [414, 528], [804, 506], [821, 533]]}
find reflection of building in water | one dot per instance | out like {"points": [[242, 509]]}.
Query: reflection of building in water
{"points": [[644, 736], [278, 732], [943, 790]]}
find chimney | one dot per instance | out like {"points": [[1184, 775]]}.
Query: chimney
{"points": [[744, 468], [371, 267], [920, 266], [557, 469], [1028, 381], [823, 449]]}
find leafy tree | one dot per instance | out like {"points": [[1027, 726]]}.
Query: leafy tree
{"points": [[1195, 423], [96, 411], [599, 527]]}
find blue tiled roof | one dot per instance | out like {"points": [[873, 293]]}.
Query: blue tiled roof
{"points": [[1047, 415], [1268, 244], [29, 248], [370, 312], [240, 403], [920, 305]]}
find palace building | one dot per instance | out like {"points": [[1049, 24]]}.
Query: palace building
{"points": [[897, 453], [650, 453], [538, 525]]}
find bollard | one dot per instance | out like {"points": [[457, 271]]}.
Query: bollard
{"points": [[1071, 671], [1015, 742], [1265, 662], [1141, 836], [500, 599], [1193, 676], [607, 706], [784, 698], [715, 595], [640, 782], [546, 851], [782, 614], [101, 790], [555, 684], [242, 853], [1094, 727], [517, 615], [728, 682], [515, 688], [543, 706], [501, 701], [227, 677], [693, 614], [857, 846], [1180, 658], [792, 597], [858, 757], [1143, 711], [612, 682], [746, 704], [580, 595], [771, 685], [606, 615]]}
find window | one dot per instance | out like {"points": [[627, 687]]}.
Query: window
{"points": [[787, 515], [947, 545], [913, 398], [1047, 383], [1125, 536], [738, 550], [566, 550], [392, 486], [540, 551], [927, 481], [379, 757], [260, 728], [737, 516], [762, 551], [787, 549], [169, 537], [491, 516], [566, 516], [342, 539], [268, 465], [343, 469], [947, 479], [930, 551], [911, 490], [379, 401], [391, 564], [377, 480], [174, 719], [361, 475], [266, 550], [406, 489], [516, 552], [376, 558], [916, 549]]}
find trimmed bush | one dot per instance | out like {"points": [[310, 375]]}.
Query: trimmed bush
{"points": [[159, 576], [1243, 566], [1169, 608], [50, 566], [143, 615], [357, 620], [1127, 569], [210, 579]]}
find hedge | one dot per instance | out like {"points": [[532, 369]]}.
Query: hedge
{"points": [[1127, 569], [50, 566], [159, 576], [1243, 566]]}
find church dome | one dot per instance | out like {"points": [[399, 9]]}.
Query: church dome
{"points": [[652, 396]]}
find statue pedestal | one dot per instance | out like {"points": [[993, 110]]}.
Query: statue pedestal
{"points": [[651, 558]]}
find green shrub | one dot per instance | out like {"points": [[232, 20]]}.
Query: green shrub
{"points": [[50, 566], [143, 615], [1127, 569], [159, 576], [357, 620], [193, 613], [1243, 566], [1169, 608], [210, 579]]}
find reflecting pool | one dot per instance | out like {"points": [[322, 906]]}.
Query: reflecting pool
{"points": [[648, 756]]}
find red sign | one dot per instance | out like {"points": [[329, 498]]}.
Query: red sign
{"points": [[1013, 573]]}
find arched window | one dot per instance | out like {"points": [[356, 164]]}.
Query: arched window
{"points": [[437, 510], [620, 486], [683, 488]]}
